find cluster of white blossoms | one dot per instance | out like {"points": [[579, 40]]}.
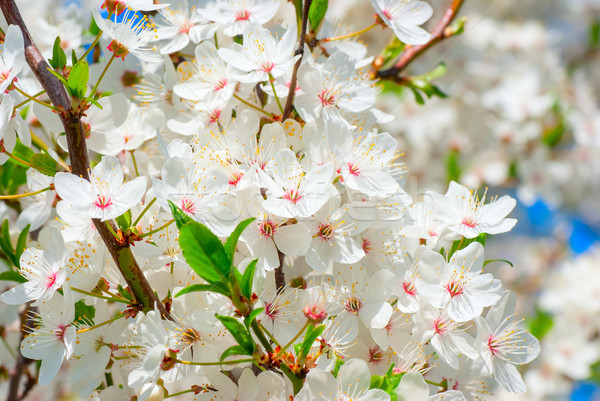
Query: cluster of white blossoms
{"points": [[284, 256]]}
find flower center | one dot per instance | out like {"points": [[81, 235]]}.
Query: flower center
{"points": [[118, 49], [353, 305], [61, 331], [293, 195], [220, 85], [51, 280], [267, 228], [326, 231], [215, 116], [315, 313], [187, 206], [235, 178], [440, 326], [242, 15], [103, 202], [455, 288], [366, 246], [326, 98], [185, 27], [353, 169], [267, 67], [114, 6], [493, 345], [469, 222], [409, 288]]}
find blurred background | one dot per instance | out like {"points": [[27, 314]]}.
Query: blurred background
{"points": [[521, 117]]}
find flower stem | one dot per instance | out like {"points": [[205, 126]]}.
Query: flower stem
{"points": [[91, 294], [167, 224], [261, 337], [8, 347], [214, 363], [24, 102], [252, 106], [89, 49], [34, 99], [4, 197], [137, 172], [272, 82], [135, 223], [6, 152], [101, 324], [349, 35], [294, 339], [180, 393], [103, 73], [263, 328]]}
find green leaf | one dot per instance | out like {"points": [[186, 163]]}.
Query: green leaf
{"points": [[233, 350], [239, 332], [12, 275], [248, 279], [12, 176], [57, 75], [391, 52], [45, 164], [232, 241], [299, 7], [338, 364], [124, 220], [6, 244], [418, 97], [84, 313], [204, 252], [21, 244], [73, 57], [180, 217], [310, 337], [124, 293], [78, 79], [218, 287], [487, 262], [540, 324], [437, 72], [22, 152], [59, 58], [376, 381], [248, 319], [316, 14], [453, 170]]}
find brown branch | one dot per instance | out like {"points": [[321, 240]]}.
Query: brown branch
{"points": [[71, 119], [27, 323], [438, 34], [289, 102]]}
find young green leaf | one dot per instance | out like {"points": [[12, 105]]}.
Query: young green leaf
{"points": [[21, 244], [233, 350], [310, 337], [219, 287], [239, 332], [232, 241], [124, 220], [84, 313], [248, 279], [45, 164], [12, 275], [204, 252], [248, 319], [59, 58], [78, 79], [57, 75], [6, 245], [316, 14], [180, 217]]}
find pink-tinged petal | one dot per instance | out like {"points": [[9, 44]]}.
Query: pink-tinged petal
{"points": [[74, 190]]}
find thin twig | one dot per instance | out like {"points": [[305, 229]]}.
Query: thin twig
{"points": [[289, 102], [412, 52]]}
